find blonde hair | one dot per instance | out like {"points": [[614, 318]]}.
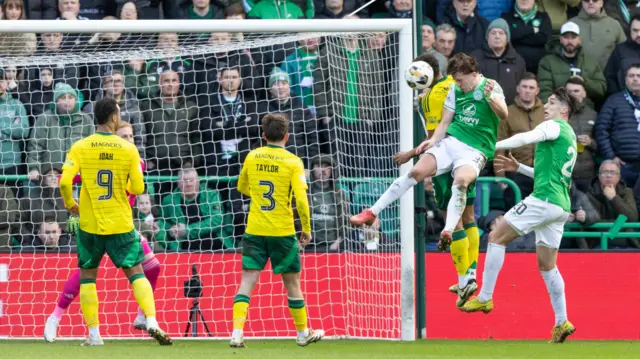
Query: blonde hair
{"points": [[124, 124]]}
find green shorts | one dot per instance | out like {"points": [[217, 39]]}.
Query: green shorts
{"points": [[125, 249], [283, 252], [442, 190]]}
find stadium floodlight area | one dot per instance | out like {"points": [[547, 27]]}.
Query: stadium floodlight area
{"points": [[350, 104]]}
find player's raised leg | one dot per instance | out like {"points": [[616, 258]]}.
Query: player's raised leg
{"points": [[463, 177], [425, 167], [151, 268], [69, 293]]}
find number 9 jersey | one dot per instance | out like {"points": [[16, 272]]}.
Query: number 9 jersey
{"points": [[109, 167], [270, 176]]}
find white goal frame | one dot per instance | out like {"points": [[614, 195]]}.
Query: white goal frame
{"points": [[402, 26]]}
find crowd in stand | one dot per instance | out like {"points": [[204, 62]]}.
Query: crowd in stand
{"points": [[199, 115]]}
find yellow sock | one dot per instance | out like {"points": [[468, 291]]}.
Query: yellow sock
{"points": [[89, 302], [460, 252], [240, 309], [299, 313], [474, 243], [144, 294]]}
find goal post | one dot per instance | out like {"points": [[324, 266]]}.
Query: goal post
{"points": [[354, 292]]}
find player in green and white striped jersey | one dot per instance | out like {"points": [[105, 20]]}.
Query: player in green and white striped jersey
{"points": [[544, 212]]}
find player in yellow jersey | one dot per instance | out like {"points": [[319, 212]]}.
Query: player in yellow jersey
{"points": [[109, 167], [464, 249], [270, 176]]}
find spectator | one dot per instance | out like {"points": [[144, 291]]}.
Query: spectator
{"points": [[303, 127], [16, 44], [43, 201], [623, 11], [565, 60], [168, 43], [525, 114], [612, 198], [113, 87], [203, 10], [40, 93], [171, 124], [429, 41], [328, 205], [300, 66], [56, 130], [274, 9], [471, 28], [136, 79], [583, 120], [146, 220], [348, 6], [616, 129], [14, 84], [445, 40], [229, 127], [498, 60], [40, 9], [355, 108], [491, 9], [192, 215], [70, 10], [151, 9], [14, 127], [600, 32], [110, 41], [70, 73], [128, 11], [331, 9], [49, 236], [622, 57], [557, 11], [397, 9], [583, 212], [530, 31], [8, 216]]}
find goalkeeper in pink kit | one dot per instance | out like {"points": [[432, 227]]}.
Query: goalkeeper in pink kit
{"points": [[151, 266]]}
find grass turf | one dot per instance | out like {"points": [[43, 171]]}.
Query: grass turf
{"points": [[351, 349]]}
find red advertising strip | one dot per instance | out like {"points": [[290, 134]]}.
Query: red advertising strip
{"points": [[347, 294]]}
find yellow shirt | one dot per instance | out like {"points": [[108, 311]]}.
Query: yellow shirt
{"points": [[433, 102], [109, 166], [270, 175]]}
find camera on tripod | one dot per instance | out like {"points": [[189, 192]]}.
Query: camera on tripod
{"points": [[193, 286]]}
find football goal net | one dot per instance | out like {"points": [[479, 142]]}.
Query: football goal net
{"points": [[195, 93]]}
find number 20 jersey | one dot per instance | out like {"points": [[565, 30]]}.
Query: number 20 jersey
{"points": [[271, 176]]}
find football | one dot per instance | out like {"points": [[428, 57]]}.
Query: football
{"points": [[419, 75]]}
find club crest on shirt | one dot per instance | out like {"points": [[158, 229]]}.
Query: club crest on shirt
{"points": [[477, 95]]}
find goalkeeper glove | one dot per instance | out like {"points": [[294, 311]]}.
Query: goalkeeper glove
{"points": [[73, 224]]}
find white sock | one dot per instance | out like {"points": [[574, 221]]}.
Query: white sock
{"points": [[462, 281], [141, 318], [455, 207], [395, 191], [237, 333], [555, 287], [303, 333], [94, 333], [152, 322], [492, 265]]}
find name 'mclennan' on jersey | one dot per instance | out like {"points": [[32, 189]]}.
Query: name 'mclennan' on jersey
{"points": [[474, 123], [271, 176], [433, 102], [553, 163], [109, 167]]}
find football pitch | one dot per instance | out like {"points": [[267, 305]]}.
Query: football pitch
{"points": [[338, 349]]}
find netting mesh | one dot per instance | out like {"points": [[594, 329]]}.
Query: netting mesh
{"points": [[196, 101]]}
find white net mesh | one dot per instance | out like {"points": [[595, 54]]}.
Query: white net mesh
{"points": [[196, 100]]}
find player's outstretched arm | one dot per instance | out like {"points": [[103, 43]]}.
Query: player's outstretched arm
{"points": [[546, 131], [135, 185], [495, 98], [70, 168]]}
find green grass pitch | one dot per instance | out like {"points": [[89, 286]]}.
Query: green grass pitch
{"points": [[348, 349]]}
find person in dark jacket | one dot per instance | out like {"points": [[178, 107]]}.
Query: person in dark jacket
{"points": [[623, 11], [332, 9], [582, 211], [582, 122], [150, 9], [623, 56], [617, 129], [612, 198], [471, 28], [303, 127], [41, 9], [498, 60], [530, 32]]}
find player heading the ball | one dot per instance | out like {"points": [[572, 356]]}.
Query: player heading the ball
{"points": [[270, 176], [110, 167]]}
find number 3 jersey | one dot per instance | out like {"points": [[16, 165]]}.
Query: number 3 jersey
{"points": [[553, 163], [271, 176], [109, 167]]}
